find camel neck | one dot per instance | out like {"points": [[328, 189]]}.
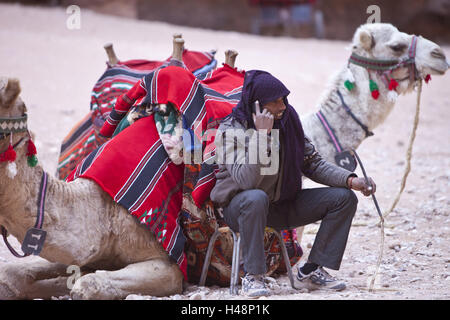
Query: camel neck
{"points": [[19, 196]]}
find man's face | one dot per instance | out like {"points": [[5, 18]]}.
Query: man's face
{"points": [[276, 108]]}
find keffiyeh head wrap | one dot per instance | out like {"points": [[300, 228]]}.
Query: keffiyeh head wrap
{"points": [[262, 86]]}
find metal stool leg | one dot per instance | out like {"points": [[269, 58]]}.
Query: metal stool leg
{"points": [[235, 263], [285, 258], [208, 257]]}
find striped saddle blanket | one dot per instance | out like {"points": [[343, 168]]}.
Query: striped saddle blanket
{"points": [[115, 81]]}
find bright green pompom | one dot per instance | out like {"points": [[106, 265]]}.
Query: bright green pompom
{"points": [[373, 85], [349, 85], [32, 161]]}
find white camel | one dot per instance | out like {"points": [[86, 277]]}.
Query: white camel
{"points": [[377, 41]]}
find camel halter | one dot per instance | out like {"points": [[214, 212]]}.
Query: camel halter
{"points": [[12, 125], [384, 68], [9, 126]]}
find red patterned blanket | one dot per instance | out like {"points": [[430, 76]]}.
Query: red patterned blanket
{"points": [[115, 81]]}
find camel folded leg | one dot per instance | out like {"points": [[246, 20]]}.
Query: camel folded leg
{"points": [[154, 277], [32, 279]]}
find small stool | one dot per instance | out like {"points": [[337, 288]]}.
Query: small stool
{"points": [[236, 257]]}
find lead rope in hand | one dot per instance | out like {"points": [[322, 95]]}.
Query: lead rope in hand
{"points": [[380, 256], [402, 186]]}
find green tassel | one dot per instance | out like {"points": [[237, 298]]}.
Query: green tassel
{"points": [[349, 85], [32, 161], [373, 85]]}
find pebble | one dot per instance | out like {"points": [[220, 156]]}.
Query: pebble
{"points": [[197, 296]]}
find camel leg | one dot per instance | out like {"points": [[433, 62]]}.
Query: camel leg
{"points": [[154, 277], [32, 279]]}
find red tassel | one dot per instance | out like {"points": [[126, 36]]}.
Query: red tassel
{"points": [[31, 148], [8, 155], [375, 94], [393, 84], [427, 78]]}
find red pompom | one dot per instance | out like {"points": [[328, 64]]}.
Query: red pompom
{"points": [[8, 155], [31, 148], [393, 84], [427, 78], [375, 94]]}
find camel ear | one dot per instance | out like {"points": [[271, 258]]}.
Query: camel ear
{"points": [[10, 92], [366, 40]]}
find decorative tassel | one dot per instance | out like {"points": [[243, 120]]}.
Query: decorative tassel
{"points": [[427, 78], [31, 154], [374, 89], [392, 96], [31, 148], [350, 80], [393, 84], [32, 161], [11, 170], [349, 85], [9, 155]]}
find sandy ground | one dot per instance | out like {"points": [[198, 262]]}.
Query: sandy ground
{"points": [[57, 68]]}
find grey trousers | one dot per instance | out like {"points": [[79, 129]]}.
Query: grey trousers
{"points": [[249, 212]]}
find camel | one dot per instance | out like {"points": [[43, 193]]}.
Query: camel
{"points": [[85, 228], [376, 41]]}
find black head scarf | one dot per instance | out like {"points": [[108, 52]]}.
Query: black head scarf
{"points": [[262, 86]]}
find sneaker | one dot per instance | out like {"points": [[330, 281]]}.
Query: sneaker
{"points": [[254, 286], [322, 278]]}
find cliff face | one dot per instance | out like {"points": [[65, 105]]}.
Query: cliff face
{"points": [[430, 18]]}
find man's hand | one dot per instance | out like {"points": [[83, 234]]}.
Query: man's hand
{"points": [[359, 184], [263, 120]]}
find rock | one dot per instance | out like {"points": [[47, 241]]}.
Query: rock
{"points": [[396, 247], [135, 297], [197, 296]]}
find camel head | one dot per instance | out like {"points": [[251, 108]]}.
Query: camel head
{"points": [[383, 41], [11, 105]]}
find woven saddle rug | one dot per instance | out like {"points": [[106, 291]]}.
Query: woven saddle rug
{"points": [[168, 197], [116, 80]]}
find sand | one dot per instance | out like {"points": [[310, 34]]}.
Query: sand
{"points": [[58, 67]]}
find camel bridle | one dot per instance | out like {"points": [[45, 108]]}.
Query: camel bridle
{"points": [[385, 67], [13, 125]]}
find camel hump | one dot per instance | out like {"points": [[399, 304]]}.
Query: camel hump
{"points": [[10, 90]]}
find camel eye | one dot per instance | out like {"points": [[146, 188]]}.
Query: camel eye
{"points": [[398, 48]]}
